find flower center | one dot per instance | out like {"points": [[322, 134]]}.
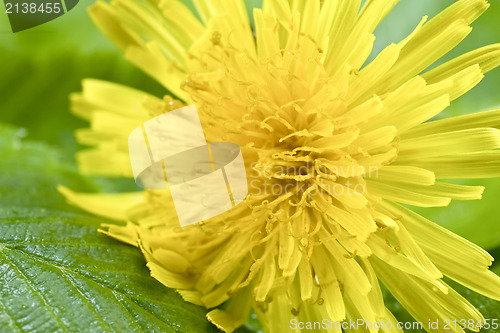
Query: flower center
{"points": [[304, 154]]}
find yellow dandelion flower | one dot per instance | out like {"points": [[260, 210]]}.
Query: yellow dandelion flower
{"points": [[345, 143]]}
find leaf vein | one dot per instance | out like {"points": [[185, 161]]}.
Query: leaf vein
{"points": [[35, 291]]}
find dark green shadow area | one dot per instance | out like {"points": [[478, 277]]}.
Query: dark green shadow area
{"points": [[70, 4], [27, 14]]}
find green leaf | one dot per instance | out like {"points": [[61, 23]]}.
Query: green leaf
{"points": [[58, 274]]}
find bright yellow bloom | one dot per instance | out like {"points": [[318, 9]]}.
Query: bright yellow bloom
{"points": [[294, 95]]}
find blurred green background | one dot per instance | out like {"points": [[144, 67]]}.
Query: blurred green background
{"points": [[40, 67]]}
